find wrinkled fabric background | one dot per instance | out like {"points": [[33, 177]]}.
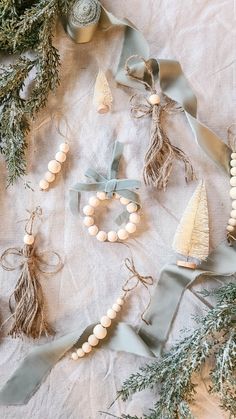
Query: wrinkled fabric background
{"points": [[201, 35]]}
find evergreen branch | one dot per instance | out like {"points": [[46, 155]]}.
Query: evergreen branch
{"points": [[173, 374]]}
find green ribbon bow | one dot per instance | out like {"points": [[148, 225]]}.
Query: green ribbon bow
{"points": [[109, 184]]}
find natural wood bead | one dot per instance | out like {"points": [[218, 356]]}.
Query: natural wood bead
{"points": [[49, 177], [130, 227], [29, 239], [154, 99], [92, 340], [112, 236], [94, 201], [88, 210], [230, 229], [54, 166], [88, 221], [232, 222], [60, 156], [233, 163], [124, 201], [122, 234], [132, 207], [102, 196], [134, 218], [232, 192], [120, 301], [74, 356], [93, 230], [101, 236], [99, 331], [86, 347], [116, 196], [105, 321], [233, 171], [234, 204], [64, 147], [233, 156], [233, 181], [80, 353], [233, 214], [43, 184], [116, 307], [111, 313]]}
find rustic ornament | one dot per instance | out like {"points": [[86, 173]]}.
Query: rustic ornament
{"points": [[231, 227], [192, 236], [102, 97]]}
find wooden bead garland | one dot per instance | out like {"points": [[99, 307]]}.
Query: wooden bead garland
{"points": [[111, 236], [54, 167], [231, 227]]}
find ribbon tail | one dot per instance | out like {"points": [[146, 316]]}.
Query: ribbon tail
{"points": [[117, 153]]}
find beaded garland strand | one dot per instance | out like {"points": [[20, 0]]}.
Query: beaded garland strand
{"points": [[54, 167]]}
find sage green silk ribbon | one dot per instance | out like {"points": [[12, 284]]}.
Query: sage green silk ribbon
{"points": [[110, 185], [168, 73], [148, 342]]}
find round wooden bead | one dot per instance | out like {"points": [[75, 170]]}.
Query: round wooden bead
{"points": [[132, 207], [101, 236], [49, 177], [122, 234], [80, 353], [111, 313], [28, 239], [88, 210], [54, 166], [88, 221], [233, 214], [93, 230], [60, 156], [233, 163], [232, 192], [233, 156], [232, 222], [130, 227], [74, 356], [120, 301], [234, 204], [43, 184], [116, 307], [233, 181], [230, 228], [154, 99], [105, 321], [99, 331], [124, 201], [116, 196], [134, 218], [92, 340], [102, 196], [64, 147], [233, 171], [86, 347], [112, 236], [94, 202]]}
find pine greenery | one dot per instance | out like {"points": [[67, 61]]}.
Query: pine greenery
{"points": [[173, 374], [25, 26]]}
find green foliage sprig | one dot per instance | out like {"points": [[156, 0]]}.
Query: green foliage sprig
{"points": [[173, 374], [26, 26]]}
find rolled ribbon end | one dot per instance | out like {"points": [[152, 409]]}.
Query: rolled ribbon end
{"points": [[82, 21]]}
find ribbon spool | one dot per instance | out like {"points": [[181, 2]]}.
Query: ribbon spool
{"points": [[83, 20]]}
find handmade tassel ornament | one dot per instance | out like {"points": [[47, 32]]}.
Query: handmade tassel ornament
{"points": [[161, 153], [27, 303], [192, 236], [102, 97], [231, 227]]}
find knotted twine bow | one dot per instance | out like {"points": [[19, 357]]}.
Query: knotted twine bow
{"points": [[27, 303], [109, 184], [161, 153]]}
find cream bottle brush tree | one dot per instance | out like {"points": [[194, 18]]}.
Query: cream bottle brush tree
{"points": [[191, 239]]}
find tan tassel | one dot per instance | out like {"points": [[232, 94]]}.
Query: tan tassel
{"points": [[27, 303], [161, 153], [102, 98]]}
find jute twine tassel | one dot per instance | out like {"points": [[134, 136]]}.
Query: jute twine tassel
{"points": [[27, 304], [161, 153]]}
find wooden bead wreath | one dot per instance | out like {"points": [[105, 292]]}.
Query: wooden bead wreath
{"points": [[111, 236], [100, 330], [109, 188]]}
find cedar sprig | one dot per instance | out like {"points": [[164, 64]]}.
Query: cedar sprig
{"points": [[174, 375]]}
